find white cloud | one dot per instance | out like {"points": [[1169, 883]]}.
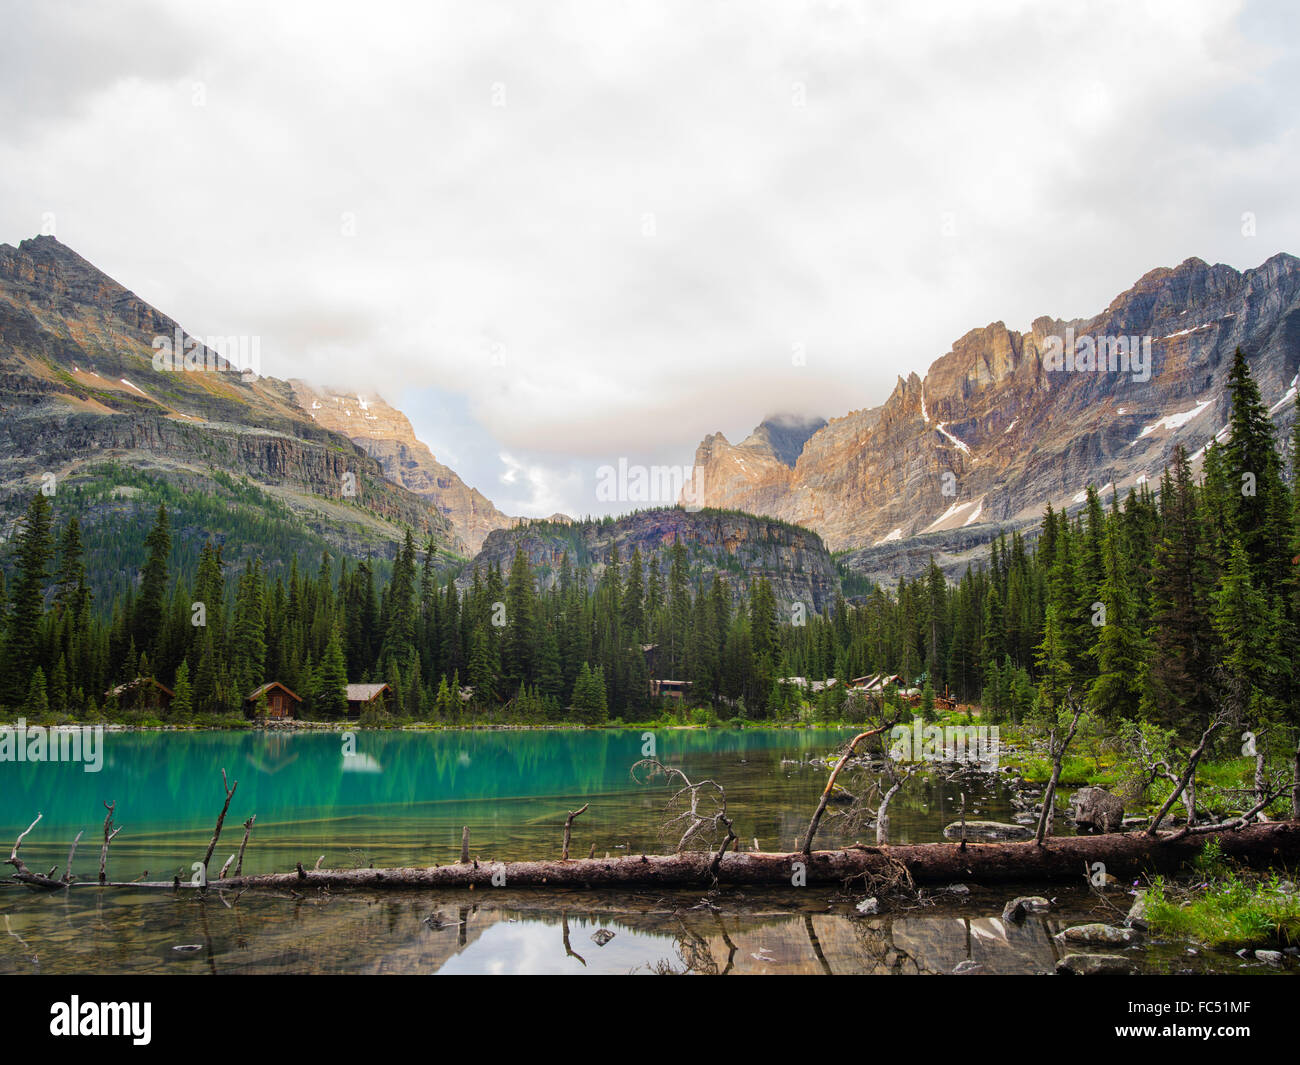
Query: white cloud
{"points": [[798, 162]]}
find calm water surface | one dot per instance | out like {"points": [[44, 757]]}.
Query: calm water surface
{"points": [[402, 799]]}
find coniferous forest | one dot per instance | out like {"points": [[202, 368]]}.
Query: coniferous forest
{"points": [[1156, 608]]}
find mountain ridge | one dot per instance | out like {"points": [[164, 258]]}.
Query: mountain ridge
{"points": [[993, 432]]}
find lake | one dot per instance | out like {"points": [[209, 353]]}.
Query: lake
{"points": [[401, 798]]}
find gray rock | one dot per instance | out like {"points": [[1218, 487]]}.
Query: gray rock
{"points": [[958, 889], [988, 830], [1270, 957], [1096, 935], [1095, 965], [1137, 914], [1096, 809], [967, 966], [1017, 908], [602, 936], [868, 906]]}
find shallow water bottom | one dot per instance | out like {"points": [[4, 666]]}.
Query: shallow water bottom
{"points": [[551, 932]]}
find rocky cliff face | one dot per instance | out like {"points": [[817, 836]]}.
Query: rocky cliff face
{"points": [[739, 547], [1002, 424], [79, 387], [385, 434]]}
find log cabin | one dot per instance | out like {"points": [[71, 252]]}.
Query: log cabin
{"points": [[281, 703], [367, 696], [143, 693]]}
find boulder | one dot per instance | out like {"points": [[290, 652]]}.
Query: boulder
{"points": [[1269, 957], [1096, 809]]}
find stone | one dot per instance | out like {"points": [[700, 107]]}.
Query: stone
{"points": [[1096, 935], [1095, 965], [968, 966], [1017, 908], [1269, 957], [868, 906], [602, 936], [1137, 913], [988, 830], [1097, 810], [958, 889]]}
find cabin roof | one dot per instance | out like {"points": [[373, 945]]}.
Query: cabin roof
{"points": [[363, 693], [258, 692], [132, 684]]}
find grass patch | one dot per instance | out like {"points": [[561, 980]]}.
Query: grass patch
{"points": [[1229, 910]]}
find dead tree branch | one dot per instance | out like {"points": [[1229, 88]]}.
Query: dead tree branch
{"points": [[568, 829], [1190, 771], [248, 828], [1058, 756], [830, 785], [24, 875], [109, 833], [216, 833]]}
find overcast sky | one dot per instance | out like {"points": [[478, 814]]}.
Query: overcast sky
{"points": [[557, 238]]}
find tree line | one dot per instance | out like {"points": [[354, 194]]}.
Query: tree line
{"points": [[1157, 609]]}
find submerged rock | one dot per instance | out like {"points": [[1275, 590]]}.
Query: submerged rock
{"points": [[988, 830], [1095, 965], [1096, 935], [1017, 908], [868, 906], [1270, 957]]}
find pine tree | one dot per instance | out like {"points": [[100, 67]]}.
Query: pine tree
{"points": [[518, 651], [1115, 692], [147, 627], [37, 704], [183, 705], [331, 684], [35, 549]]}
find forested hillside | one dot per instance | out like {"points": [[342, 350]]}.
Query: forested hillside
{"points": [[1159, 607]]}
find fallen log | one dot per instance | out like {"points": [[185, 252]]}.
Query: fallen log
{"points": [[1060, 858]]}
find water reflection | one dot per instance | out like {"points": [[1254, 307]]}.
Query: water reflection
{"points": [[537, 932]]}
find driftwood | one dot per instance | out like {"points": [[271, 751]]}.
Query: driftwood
{"points": [[1058, 858], [24, 875]]}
